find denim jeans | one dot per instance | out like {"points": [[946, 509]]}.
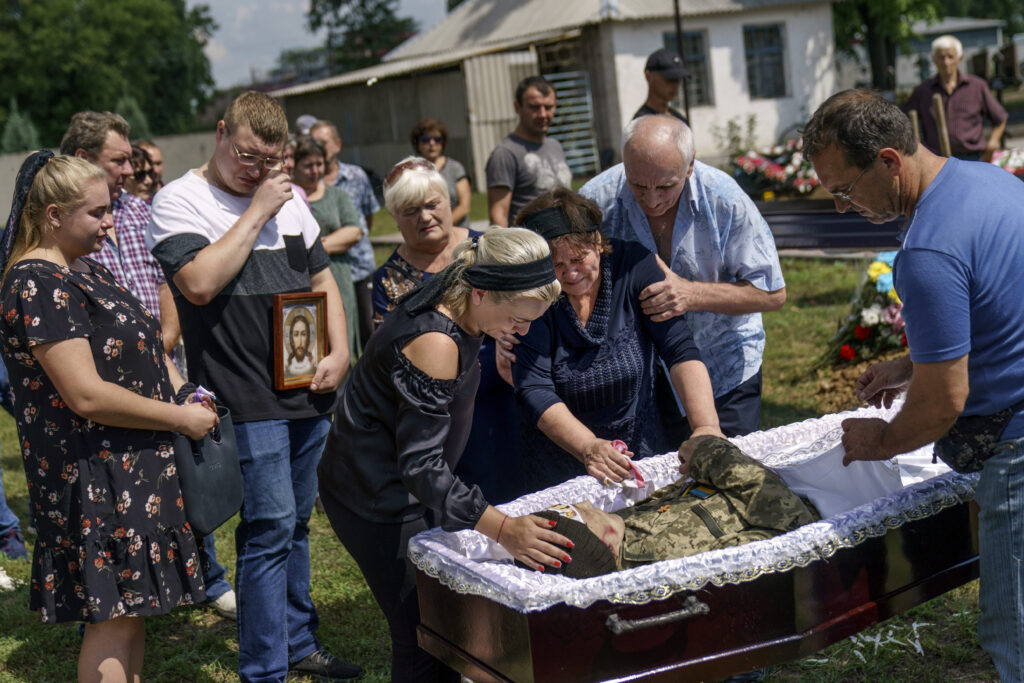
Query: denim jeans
{"points": [[213, 571], [276, 616], [8, 520], [1000, 497]]}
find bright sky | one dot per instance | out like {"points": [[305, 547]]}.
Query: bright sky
{"points": [[252, 34]]}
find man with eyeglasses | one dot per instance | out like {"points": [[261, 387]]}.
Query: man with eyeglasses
{"points": [[716, 251], [231, 236], [958, 272]]}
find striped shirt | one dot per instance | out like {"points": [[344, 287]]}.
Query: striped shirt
{"points": [[129, 260]]}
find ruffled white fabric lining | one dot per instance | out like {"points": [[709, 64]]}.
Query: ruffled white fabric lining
{"points": [[469, 562]]}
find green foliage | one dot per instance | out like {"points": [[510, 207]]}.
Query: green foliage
{"points": [[62, 56], [883, 27], [1010, 11], [129, 108], [359, 32], [737, 135], [20, 134], [452, 4]]}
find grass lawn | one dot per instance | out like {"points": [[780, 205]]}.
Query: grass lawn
{"points": [[935, 641]]}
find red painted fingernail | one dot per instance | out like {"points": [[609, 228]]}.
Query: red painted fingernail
{"points": [[557, 564], [540, 567], [571, 545], [552, 523], [567, 558]]}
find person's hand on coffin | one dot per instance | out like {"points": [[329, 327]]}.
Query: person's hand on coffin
{"points": [[689, 446], [604, 461], [862, 439], [883, 382]]}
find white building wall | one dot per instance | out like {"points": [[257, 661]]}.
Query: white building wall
{"points": [[810, 76]]}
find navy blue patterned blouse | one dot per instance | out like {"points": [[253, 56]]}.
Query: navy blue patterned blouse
{"points": [[603, 372]]}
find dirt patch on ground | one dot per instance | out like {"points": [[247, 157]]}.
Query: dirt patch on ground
{"points": [[834, 388]]}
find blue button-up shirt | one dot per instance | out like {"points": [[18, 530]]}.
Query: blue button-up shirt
{"points": [[718, 236], [354, 181]]}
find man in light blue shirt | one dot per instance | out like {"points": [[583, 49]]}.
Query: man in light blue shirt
{"points": [[723, 269]]}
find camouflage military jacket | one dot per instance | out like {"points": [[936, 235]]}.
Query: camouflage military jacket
{"points": [[734, 500]]}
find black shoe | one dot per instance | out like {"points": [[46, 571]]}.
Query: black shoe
{"points": [[323, 666]]}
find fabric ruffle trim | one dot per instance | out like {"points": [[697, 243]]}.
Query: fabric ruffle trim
{"points": [[469, 563]]}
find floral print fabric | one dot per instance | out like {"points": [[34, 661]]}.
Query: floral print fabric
{"points": [[106, 502]]}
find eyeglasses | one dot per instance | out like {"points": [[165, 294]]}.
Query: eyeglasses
{"points": [[142, 175], [269, 163], [424, 139], [845, 196], [395, 173]]}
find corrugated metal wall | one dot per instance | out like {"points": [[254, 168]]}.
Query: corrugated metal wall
{"points": [[374, 121], [490, 92]]}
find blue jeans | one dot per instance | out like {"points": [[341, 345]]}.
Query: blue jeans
{"points": [[276, 616], [213, 571], [1000, 498], [8, 520]]}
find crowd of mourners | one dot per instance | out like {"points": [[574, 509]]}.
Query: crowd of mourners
{"points": [[604, 325]]}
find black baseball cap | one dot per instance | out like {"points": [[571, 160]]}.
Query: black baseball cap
{"points": [[666, 63]]}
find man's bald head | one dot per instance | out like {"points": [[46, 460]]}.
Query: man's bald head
{"points": [[657, 156], [655, 137]]}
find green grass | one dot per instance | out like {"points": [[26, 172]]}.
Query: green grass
{"points": [[193, 644]]}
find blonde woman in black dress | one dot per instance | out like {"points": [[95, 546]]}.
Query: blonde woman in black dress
{"points": [[94, 398]]}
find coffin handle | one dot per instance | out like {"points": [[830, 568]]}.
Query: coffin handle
{"points": [[692, 607]]}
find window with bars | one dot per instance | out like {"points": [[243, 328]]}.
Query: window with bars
{"points": [[766, 72], [695, 55]]}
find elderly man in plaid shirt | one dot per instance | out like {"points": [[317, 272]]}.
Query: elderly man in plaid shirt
{"points": [[102, 139]]}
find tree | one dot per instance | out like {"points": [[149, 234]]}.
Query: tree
{"points": [[129, 108], [883, 27], [1010, 11], [62, 56], [359, 32], [20, 134]]}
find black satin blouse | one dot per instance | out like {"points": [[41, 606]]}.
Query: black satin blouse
{"points": [[398, 432]]}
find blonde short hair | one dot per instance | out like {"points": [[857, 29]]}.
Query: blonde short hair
{"points": [[413, 184], [261, 113], [61, 181], [948, 42], [500, 246]]}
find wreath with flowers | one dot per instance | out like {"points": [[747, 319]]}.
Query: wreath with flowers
{"points": [[1011, 160], [780, 168], [875, 322]]}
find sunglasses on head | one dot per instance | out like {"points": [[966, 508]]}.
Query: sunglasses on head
{"points": [[395, 173]]}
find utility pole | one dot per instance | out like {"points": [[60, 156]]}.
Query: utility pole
{"points": [[679, 51]]}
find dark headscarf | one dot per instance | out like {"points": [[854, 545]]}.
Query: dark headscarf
{"points": [[26, 174], [513, 277]]}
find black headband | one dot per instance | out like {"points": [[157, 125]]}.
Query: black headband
{"points": [[26, 174], [552, 222], [517, 277]]}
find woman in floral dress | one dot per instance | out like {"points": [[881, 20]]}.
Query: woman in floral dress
{"points": [[94, 405]]}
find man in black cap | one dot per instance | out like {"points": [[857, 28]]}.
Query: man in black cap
{"points": [[664, 73]]}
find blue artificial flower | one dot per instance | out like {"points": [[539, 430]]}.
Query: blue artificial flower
{"points": [[884, 282], [887, 257]]}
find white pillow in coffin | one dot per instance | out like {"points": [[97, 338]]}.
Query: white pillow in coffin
{"points": [[834, 488]]}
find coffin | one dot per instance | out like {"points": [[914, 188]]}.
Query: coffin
{"points": [[710, 615]]}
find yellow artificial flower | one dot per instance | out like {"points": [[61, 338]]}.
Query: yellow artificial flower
{"points": [[878, 268], [894, 296]]}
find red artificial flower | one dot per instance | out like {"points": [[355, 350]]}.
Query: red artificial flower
{"points": [[847, 352], [861, 332], [903, 339]]}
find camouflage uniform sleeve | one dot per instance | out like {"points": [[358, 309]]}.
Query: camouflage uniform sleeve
{"points": [[759, 495]]}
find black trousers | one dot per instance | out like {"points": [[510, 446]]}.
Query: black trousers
{"points": [[380, 551], [739, 410]]}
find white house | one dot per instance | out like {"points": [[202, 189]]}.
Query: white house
{"points": [[769, 58]]}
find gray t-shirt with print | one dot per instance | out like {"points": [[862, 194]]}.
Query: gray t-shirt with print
{"points": [[529, 169]]}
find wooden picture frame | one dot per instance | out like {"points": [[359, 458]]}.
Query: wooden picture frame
{"points": [[295, 370]]}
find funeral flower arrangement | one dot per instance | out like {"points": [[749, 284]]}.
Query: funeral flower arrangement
{"points": [[779, 168], [1010, 159], [874, 324]]}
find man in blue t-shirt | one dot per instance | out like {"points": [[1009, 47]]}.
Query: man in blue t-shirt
{"points": [[957, 273]]}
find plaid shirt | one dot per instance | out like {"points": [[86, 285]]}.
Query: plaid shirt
{"points": [[354, 181], [131, 263]]}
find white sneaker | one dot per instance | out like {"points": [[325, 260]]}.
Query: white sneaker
{"points": [[226, 606]]}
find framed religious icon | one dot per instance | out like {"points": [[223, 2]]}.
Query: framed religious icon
{"points": [[300, 337]]}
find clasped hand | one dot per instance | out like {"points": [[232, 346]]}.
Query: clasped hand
{"points": [[604, 461], [198, 417]]}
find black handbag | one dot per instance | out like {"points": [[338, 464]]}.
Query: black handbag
{"points": [[210, 476]]}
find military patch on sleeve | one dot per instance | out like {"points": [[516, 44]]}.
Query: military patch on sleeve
{"points": [[700, 491]]}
